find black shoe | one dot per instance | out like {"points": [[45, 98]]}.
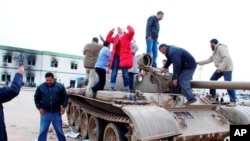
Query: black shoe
{"points": [[132, 91], [191, 101]]}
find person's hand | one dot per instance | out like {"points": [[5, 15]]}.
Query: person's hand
{"points": [[62, 110], [218, 70], [175, 82], [20, 70], [101, 38], [163, 70], [113, 29], [42, 111]]}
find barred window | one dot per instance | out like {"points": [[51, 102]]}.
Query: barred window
{"points": [[73, 66], [54, 63], [31, 61], [6, 77], [7, 59]]}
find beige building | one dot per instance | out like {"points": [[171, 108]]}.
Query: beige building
{"points": [[68, 69]]}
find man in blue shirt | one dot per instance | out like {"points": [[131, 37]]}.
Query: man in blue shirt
{"points": [[184, 66], [101, 67]]}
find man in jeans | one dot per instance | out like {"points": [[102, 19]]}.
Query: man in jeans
{"points": [[152, 33], [51, 100], [184, 66], [224, 67], [101, 67]]}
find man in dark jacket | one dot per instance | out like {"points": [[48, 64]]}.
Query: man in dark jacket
{"points": [[184, 66], [152, 33], [6, 94], [51, 100]]}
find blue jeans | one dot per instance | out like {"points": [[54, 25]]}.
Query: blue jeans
{"points": [[184, 79], [131, 80], [114, 74], [152, 50], [45, 120], [227, 77]]}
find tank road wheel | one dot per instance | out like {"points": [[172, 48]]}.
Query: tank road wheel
{"points": [[84, 125], [71, 114], [95, 129], [77, 120], [113, 133]]}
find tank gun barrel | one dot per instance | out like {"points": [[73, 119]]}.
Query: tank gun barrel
{"points": [[221, 85], [145, 61]]}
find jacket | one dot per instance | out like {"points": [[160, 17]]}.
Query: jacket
{"points": [[126, 55], [51, 98], [181, 60], [152, 27], [91, 52], [135, 48], [221, 58], [6, 94]]}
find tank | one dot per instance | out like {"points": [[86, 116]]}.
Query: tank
{"points": [[152, 113]]}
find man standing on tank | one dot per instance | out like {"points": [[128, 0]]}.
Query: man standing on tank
{"points": [[91, 51], [184, 66], [224, 67], [152, 33]]}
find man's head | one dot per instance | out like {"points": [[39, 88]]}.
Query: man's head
{"points": [[163, 48], [160, 15], [49, 77], [213, 43], [95, 40], [106, 43]]}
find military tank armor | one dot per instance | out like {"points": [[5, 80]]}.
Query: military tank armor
{"points": [[152, 113]]}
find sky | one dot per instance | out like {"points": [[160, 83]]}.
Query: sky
{"points": [[65, 26]]}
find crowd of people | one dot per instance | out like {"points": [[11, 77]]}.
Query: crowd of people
{"points": [[51, 98], [123, 58]]}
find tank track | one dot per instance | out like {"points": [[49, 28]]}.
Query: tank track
{"points": [[99, 114]]}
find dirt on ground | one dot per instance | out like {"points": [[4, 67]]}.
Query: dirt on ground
{"points": [[22, 119]]}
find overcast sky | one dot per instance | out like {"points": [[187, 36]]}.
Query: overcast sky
{"points": [[65, 26]]}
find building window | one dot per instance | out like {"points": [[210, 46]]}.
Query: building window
{"points": [[31, 61], [54, 63], [5, 77], [73, 66], [30, 78], [7, 59]]}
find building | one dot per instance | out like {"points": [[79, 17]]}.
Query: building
{"points": [[68, 69]]}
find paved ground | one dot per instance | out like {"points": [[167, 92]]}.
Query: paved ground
{"points": [[22, 118]]}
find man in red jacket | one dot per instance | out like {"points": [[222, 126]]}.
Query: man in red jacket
{"points": [[121, 55]]}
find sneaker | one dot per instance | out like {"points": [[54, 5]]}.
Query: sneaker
{"points": [[191, 101], [232, 104], [92, 93]]}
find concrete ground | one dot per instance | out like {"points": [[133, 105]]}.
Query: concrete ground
{"points": [[22, 118]]}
